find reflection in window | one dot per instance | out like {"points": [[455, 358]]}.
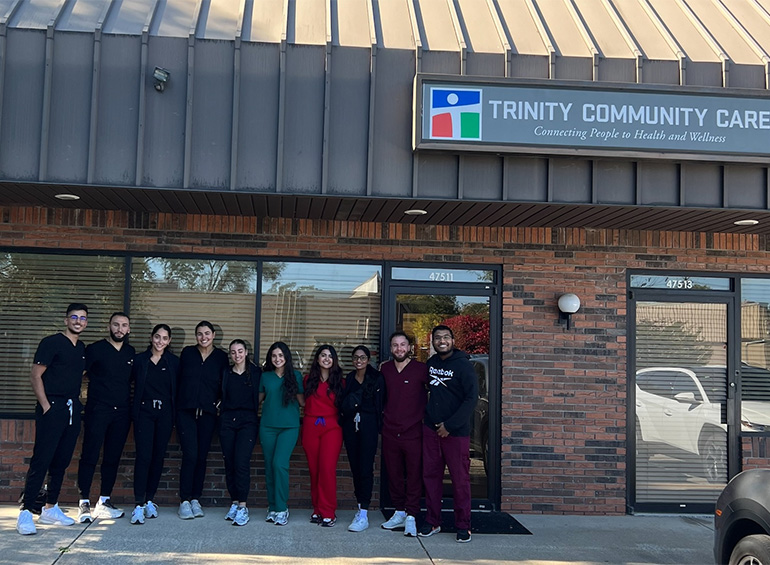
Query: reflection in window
{"points": [[755, 355], [310, 304], [35, 290], [182, 292]]}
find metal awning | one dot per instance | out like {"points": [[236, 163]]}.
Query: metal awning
{"points": [[309, 103]]}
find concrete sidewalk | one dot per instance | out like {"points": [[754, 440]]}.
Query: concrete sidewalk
{"points": [[167, 539]]}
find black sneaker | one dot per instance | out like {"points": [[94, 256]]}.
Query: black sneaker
{"points": [[463, 536], [315, 519], [329, 522], [428, 530]]}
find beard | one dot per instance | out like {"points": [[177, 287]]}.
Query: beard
{"points": [[117, 339], [400, 359]]}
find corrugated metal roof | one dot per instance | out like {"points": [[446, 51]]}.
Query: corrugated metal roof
{"points": [[305, 99]]}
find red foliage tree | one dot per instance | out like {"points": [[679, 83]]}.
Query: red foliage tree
{"points": [[471, 333]]}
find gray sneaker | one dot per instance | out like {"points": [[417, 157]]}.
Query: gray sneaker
{"points": [[270, 516], [84, 513], [359, 524], [25, 524], [282, 518], [396, 521], [185, 511], [196, 509], [150, 510], [137, 516], [241, 516], [410, 527], [231, 513]]}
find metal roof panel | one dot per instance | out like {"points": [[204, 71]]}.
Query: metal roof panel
{"points": [[729, 38], [436, 27], [350, 23], [686, 33], [36, 14], [605, 33], [266, 24], [521, 28], [564, 32], [218, 19], [82, 15], [644, 31], [128, 17], [480, 32]]}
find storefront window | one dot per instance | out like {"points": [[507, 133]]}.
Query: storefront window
{"points": [[35, 290], [311, 304], [755, 355], [182, 292]]}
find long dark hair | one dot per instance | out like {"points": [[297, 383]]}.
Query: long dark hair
{"points": [[289, 386], [154, 331], [336, 385], [369, 386]]}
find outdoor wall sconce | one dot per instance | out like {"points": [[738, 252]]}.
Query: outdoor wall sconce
{"points": [[568, 305], [161, 77]]}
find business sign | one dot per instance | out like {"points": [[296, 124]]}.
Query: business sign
{"points": [[525, 116]]}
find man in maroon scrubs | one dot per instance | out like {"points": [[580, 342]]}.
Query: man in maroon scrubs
{"points": [[406, 395]]}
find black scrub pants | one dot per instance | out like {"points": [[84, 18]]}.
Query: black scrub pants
{"points": [[195, 433], [361, 446], [56, 434], [106, 426], [152, 431], [238, 436]]}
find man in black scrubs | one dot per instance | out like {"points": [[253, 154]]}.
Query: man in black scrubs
{"points": [[107, 417], [56, 376]]}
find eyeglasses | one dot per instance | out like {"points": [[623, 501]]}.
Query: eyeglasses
{"points": [[76, 318], [360, 358]]}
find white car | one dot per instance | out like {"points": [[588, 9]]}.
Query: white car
{"points": [[682, 414]]}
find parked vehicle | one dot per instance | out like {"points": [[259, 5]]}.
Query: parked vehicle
{"points": [[681, 412], [480, 423], [742, 520]]}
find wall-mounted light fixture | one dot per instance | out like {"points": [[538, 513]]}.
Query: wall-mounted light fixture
{"points": [[161, 77], [568, 305]]}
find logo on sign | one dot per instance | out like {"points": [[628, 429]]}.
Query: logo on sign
{"points": [[455, 113]]}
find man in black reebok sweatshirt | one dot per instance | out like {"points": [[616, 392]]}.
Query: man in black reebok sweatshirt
{"points": [[446, 437]]}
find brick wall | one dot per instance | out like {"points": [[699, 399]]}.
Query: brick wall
{"points": [[563, 392]]}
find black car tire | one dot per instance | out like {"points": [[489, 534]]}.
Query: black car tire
{"points": [[752, 550], [714, 454]]}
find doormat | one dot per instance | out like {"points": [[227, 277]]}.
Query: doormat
{"points": [[481, 522]]}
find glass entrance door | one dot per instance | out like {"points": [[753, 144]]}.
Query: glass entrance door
{"points": [[469, 317], [681, 403]]}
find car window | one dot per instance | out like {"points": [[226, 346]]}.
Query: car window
{"points": [[684, 383], [659, 383]]}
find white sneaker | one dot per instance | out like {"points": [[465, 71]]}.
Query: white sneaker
{"points": [[241, 516], [410, 527], [25, 524], [359, 523], [150, 510], [185, 511], [270, 516], [282, 518], [137, 516], [231, 513], [55, 517], [197, 511], [396, 521], [106, 510]]}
